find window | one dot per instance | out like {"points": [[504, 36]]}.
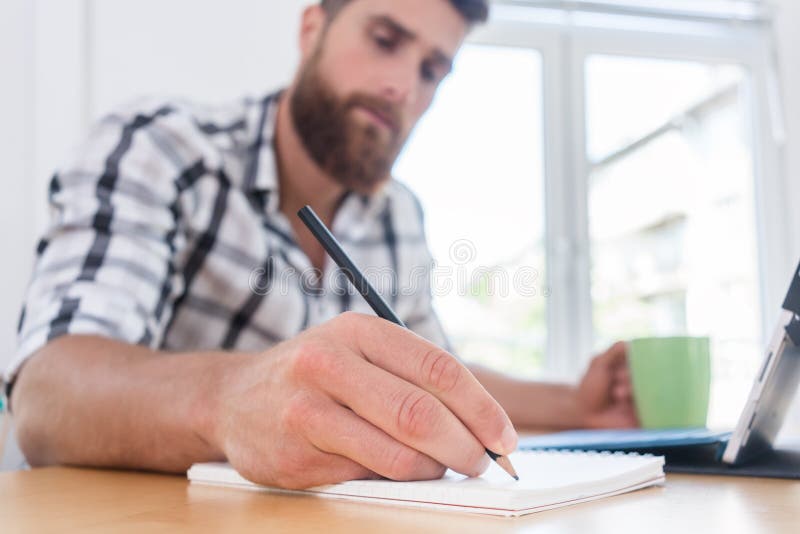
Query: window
{"points": [[484, 205], [671, 211], [632, 163]]}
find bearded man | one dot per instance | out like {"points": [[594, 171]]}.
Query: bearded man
{"points": [[179, 311]]}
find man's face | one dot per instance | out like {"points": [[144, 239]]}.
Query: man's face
{"points": [[368, 78]]}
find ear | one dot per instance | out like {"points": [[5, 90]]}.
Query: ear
{"points": [[312, 27]]}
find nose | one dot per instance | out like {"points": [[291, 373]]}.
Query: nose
{"points": [[399, 84]]}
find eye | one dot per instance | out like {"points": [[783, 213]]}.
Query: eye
{"points": [[428, 73], [384, 43]]}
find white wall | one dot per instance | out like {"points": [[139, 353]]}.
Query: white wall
{"points": [[789, 58], [16, 145], [16, 157], [209, 50], [788, 48]]}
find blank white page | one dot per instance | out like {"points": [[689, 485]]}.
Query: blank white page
{"points": [[548, 479]]}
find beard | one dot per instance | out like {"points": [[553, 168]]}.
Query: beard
{"points": [[359, 156]]}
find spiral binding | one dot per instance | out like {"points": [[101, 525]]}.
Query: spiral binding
{"points": [[587, 452]]}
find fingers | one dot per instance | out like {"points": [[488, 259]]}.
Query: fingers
{"points": [[344, 433], [614, 357], [607, 379], [622, 393], [622, 390], [319, 468], [623, 375], [606, 390], [613, 364], [414, 359], [407, 413]]}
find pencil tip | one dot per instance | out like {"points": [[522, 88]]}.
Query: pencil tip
{"points": [[505, 463]]}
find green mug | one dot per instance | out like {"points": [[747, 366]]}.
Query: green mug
{"points": [[671, 379]]}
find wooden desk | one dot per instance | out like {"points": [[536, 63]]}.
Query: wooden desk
{"points": [[65, 499]]}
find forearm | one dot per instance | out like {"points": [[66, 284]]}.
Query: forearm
{"points": [[532, 404], [92, 401]]}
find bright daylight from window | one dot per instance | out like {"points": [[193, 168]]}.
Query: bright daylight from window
{"points": [[671, 211], [670, 198], [483, 138]]}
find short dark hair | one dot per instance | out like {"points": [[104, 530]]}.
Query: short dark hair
{"points": [[473, 11]]}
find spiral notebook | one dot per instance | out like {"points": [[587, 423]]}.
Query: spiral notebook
{"points": [[548, 479]]}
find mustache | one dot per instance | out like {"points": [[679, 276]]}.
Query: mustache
{"points": [[383, 108]]}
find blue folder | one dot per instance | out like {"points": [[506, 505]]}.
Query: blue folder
{"points": [[685, 450], [634, 440]]}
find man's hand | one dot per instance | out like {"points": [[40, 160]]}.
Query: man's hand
{"points": [[605, 395], [354, 398]]}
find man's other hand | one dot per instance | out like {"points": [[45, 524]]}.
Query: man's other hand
{"points": [[605, 394]]}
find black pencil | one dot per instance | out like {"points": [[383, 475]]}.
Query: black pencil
{"points": [[362, 285]]}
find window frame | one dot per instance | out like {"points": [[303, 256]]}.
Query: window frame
{"points": [[565, 43]]}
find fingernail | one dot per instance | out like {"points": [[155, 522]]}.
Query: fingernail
{"points": [[508, 440]]}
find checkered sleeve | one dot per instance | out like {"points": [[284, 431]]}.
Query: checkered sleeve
{"points": [[105, 265], [425, 321], [423, 318]]}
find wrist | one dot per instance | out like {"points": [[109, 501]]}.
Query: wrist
{"points": [[574, 415], [208, 409]]}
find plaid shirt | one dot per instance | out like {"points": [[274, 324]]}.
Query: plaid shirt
{"points": [[165, 232]]}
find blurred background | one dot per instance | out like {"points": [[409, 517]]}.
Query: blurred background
{"points": [[633, 164]]}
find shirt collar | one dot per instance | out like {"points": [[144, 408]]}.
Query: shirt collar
{"points": [[261, 164]]}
